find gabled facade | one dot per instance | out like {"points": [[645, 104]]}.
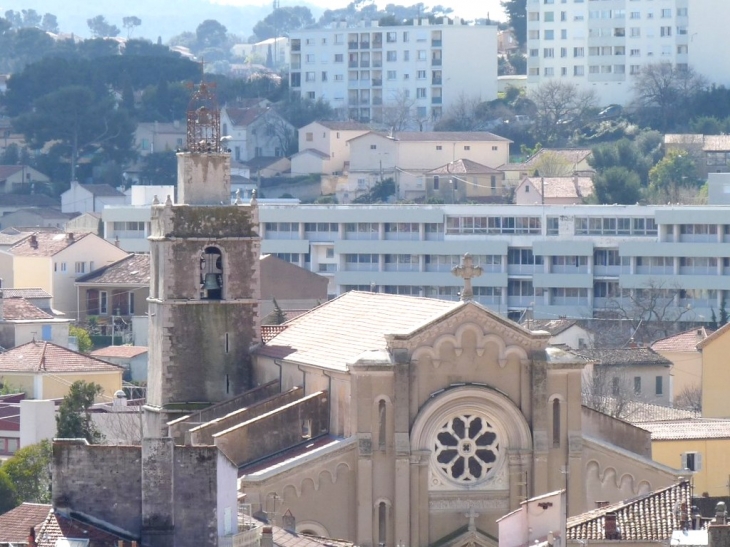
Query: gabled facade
{"points": [[22, 322], [715, 375], [256, 131], [151, 137], [42, 217], [323, 146], [90, 198], [681, 349], [14, 178], [572, 190]]}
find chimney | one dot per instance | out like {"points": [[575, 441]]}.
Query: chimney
{"points": [[34, 241], [267, 537], [289, 522], [720, 514], [31, 538], [632, 343], [70, 237], [610, 527]]}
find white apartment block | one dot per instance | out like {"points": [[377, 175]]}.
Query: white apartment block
{"points": [[360, 71], [603, 44], [572, 260]]}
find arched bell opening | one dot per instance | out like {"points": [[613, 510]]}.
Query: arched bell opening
{"points": [[211, 274]]}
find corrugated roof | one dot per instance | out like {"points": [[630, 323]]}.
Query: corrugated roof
{"points": [[338, 331], [697, 428], [46, 244], [49, 357], [133, 269], [15, 525], [682, 342], [648, 517]]}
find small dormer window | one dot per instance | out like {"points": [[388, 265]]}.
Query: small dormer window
{"points": [[211, 274]]}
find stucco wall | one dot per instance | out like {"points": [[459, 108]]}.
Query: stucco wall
{"points": [[716, 377], [604, 427], [712, 476]]}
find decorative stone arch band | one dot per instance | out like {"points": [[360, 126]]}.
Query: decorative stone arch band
{"points": [[469, 432]]}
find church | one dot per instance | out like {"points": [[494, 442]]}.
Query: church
{"points": [[381, 419]]}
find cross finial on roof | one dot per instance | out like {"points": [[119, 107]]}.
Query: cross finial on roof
{"points": [[472, 515], [467, 271]]}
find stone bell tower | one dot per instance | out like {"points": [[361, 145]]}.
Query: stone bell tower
{"points": [[204, 280]]}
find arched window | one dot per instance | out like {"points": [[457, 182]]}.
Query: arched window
{"points": [[382, 530], [382, 427], [211, 274], [556, 423]]}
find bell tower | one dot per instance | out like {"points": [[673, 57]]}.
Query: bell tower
{"points": [[204, 280]]}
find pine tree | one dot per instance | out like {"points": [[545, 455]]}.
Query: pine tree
{"points": [[723, 314], [713, 320], [279, 315]]}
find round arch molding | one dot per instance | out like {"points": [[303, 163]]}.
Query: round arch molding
{"points": [[499, 421]]}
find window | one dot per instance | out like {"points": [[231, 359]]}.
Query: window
{"points": [[103, 302], [556, 423], [46, 333], [373, 147], [665, 31], [420, 93], [339, 57], [549, 16], [436, 181], [391, 37], [692, 461], [324, 76], [309, 77], [659, 386], [467, 148], [382, 420], [391, 75], [615, 386], [80, 267], [549, 35], [421, 54], [391, 56], [578, 70], [637, 385], [548, 52], [406, 55], [309, 58]]}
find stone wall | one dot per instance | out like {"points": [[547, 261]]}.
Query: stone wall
{"points": [[277, 430], [195, 495], [203, 434], [612, 430]]}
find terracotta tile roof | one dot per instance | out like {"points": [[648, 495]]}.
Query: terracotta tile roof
{"points": [[244, 116], [31, 293], [648, 517], [682, 342], [8, 240], [133, 269], [19, 309], [269, 331], [698, 428], [28, 200], [553, 326], [447, 136], [563, 187], [683, 138], [716, 143], [102, 190], [47, 244], [344, 126], [639, 411], [58, 527], [15, 525], [124, 352], [9, 170], [48, 357], [464, 167], [624, 356], [338, 331]]}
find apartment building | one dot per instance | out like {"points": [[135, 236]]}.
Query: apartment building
{"points": [[603, 44], [572, 260], [368, 71]]}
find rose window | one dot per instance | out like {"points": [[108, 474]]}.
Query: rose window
{"points": [[466, 448]]}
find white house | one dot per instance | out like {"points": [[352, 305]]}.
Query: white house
{"points": [[256, 131], [323, 147], [90, 198]]}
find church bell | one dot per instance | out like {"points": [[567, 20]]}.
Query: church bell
{"points": [[211, 282]]}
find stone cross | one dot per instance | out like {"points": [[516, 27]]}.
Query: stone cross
{"points": [[467, 271], [471, 515]]}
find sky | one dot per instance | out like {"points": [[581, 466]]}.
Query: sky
{"points": [[468, 9]]}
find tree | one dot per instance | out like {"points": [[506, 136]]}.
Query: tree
{"points": [[516, 11], [675, 172], [279, 315], [608, 389], [461, 115], [29, 469], [8, 494], [159, 168], [666, 89], [82, 338], [559, 105], [130, 23], [73, 420], [398, 111], [552, 164], [79, 119], [690, 398], [49, 23], [282, 21], [300, 112], [101, 29], [616, 185], [723, 319], [210, 33]]}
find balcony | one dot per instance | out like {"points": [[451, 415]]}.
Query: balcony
{"points": [[365, 101], [435, 100], [351, 45], [435, 62], [364, 64], [377, 83], [327, 268], [352, 64], [436, 81], [436, 43], [296, 66], [377, 45], [364, 45]]}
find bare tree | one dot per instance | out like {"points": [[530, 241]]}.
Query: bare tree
{"points": [[462, 115], [552, 164], [608, 390], [560, 106], [398, 111], [281, 131], [652, 312], [690, 398], [666, 88]]}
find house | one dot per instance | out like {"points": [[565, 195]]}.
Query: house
{"points": [[9, 425], [273, 52], [22, 322], [36, 296], [323, 147], [85, 223], [14, 178], [119, 289], [44, 370], [268, 166], [563, 331], [697, 445], [549, 162], [128, 226], [710, 152], [132, 358], [464, 180], [629, 373], [13, 202], [42, 216], [255, 132], [376, 156], [151, 137], [292, 287], [53, 261], [715, 374], [16, 524], [553, 190], [681, 349], [85, 198], [538, 521]]}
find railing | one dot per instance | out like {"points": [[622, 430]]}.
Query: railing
{"points": [[364, 45], [436, 81], [377, 101], [364, 64], [377, 83], [352, 64], [377, 64], [361, 267], [249, 538], [296, 66], [435, 100], [327, 268], [435, 43], [435, 62], [352, 45]]}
